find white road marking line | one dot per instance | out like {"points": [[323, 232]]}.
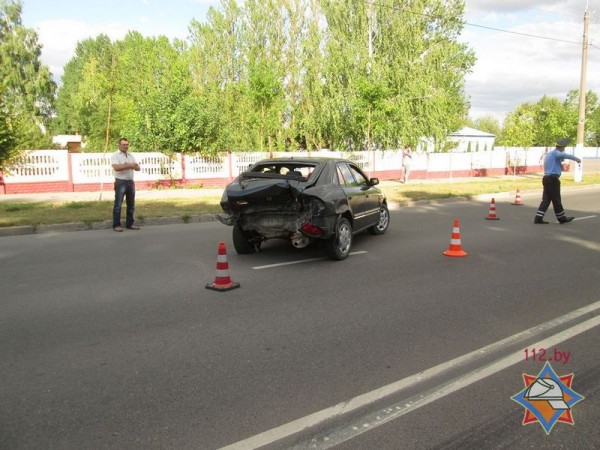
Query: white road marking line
{"points": [[581, 242], [303, 423], [406, 406], [584, 218], [300, 261]]}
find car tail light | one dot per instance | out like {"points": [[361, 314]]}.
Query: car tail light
{"points": [[311, 229]]}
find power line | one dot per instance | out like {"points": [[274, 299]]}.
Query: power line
{"points": [[521, 34], [430, 16]]}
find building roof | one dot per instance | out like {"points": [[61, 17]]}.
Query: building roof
{"points": [[471, 132], [64, 139]]}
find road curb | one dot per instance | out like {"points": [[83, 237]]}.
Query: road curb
{"points": [[17, 231], [104, 225]]}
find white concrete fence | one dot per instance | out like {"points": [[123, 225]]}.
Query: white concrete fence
{"points": [[60, 171]]}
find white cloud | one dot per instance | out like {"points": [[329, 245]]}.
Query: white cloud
{"points": [[60, 38], [519, 65]]}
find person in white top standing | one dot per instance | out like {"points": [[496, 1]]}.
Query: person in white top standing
{"points": [[124, 165], [406, 162]]}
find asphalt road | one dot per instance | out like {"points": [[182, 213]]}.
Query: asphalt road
{"points": [[110, 340]]}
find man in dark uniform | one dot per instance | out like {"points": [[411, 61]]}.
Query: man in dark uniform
{"points": [[551, 182]]}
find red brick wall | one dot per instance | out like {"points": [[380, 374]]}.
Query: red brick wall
{"points": [[36, 188]]}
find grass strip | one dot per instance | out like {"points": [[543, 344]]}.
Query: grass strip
{"points": [[45, 213]]}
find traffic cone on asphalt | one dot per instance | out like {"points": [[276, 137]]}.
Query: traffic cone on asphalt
{"points": [[518, 200], [455, 248], [492, 212], [222, 280]]}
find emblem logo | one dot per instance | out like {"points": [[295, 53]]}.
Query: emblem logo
{"points": [[548, 398]]}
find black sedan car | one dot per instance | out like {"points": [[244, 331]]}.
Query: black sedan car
{"points": [[303, 200]]}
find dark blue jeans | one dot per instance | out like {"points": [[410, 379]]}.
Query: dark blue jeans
{"points": [[124, 188]]}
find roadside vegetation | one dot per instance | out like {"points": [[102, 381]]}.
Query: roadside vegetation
{"points": [[37, 213], [303, 77], [415, 191]]}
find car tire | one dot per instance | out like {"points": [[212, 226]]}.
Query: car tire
{"points": [[241, 241], [384, 221], [339, 246]]}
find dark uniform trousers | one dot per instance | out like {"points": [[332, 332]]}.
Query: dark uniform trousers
{"points": [[551, 194]]}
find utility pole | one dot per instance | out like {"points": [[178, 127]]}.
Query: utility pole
{"points": [[578, 172], [370, 57], [370, 22]]}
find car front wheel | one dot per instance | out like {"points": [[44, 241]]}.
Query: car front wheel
{"points": [[384, 221], [339, 246]]}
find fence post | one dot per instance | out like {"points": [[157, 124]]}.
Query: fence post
{"points": [[70, 185], [183, 174], [374, 154], [230, 167]]}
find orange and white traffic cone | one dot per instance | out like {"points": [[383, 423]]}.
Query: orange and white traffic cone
{"points": [[455, 248], [492, 212], [222, 280], [518, 200]]}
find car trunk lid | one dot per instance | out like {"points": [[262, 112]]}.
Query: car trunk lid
{"points": [[259, 191]]}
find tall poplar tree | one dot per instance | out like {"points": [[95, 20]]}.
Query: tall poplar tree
{"points": [[278, 74], [87, 93], [219, 74], [27, 85], [401, 66]]}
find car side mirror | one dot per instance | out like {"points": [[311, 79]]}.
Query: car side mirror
{"points": [[373, 181]]}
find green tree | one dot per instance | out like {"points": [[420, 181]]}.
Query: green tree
{"points": [[27, 85], [219, 74], [266, 94], [554, 119], [540, 124], [135, 87], [411, 54], [87, 93], [277, 74], [487, 123], [8, 147], [312, 121], [153, 81], [592, 124], [519, 127], [592, 116]]}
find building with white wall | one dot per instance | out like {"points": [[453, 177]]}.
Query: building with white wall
{"points": [[471, 140]]}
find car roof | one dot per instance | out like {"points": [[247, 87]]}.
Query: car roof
{"points": [[302, 159]]}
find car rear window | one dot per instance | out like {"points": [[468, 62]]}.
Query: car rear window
{"points": [[283, 170]]}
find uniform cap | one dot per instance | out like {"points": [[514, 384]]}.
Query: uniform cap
{"points": [[563, 142]]}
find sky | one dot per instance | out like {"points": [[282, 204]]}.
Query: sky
{"points": [[525, 49]]}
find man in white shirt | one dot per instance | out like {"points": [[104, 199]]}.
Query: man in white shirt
{"points": [[124, 164]]}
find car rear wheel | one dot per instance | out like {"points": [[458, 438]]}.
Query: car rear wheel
{"points": [[339, 246], [242, 242], [384, 221]]}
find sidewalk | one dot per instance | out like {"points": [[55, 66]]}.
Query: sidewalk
{"points": [[108, 195]]}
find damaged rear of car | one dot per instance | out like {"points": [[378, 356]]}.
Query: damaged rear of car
{"points": [[303, 200]]}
